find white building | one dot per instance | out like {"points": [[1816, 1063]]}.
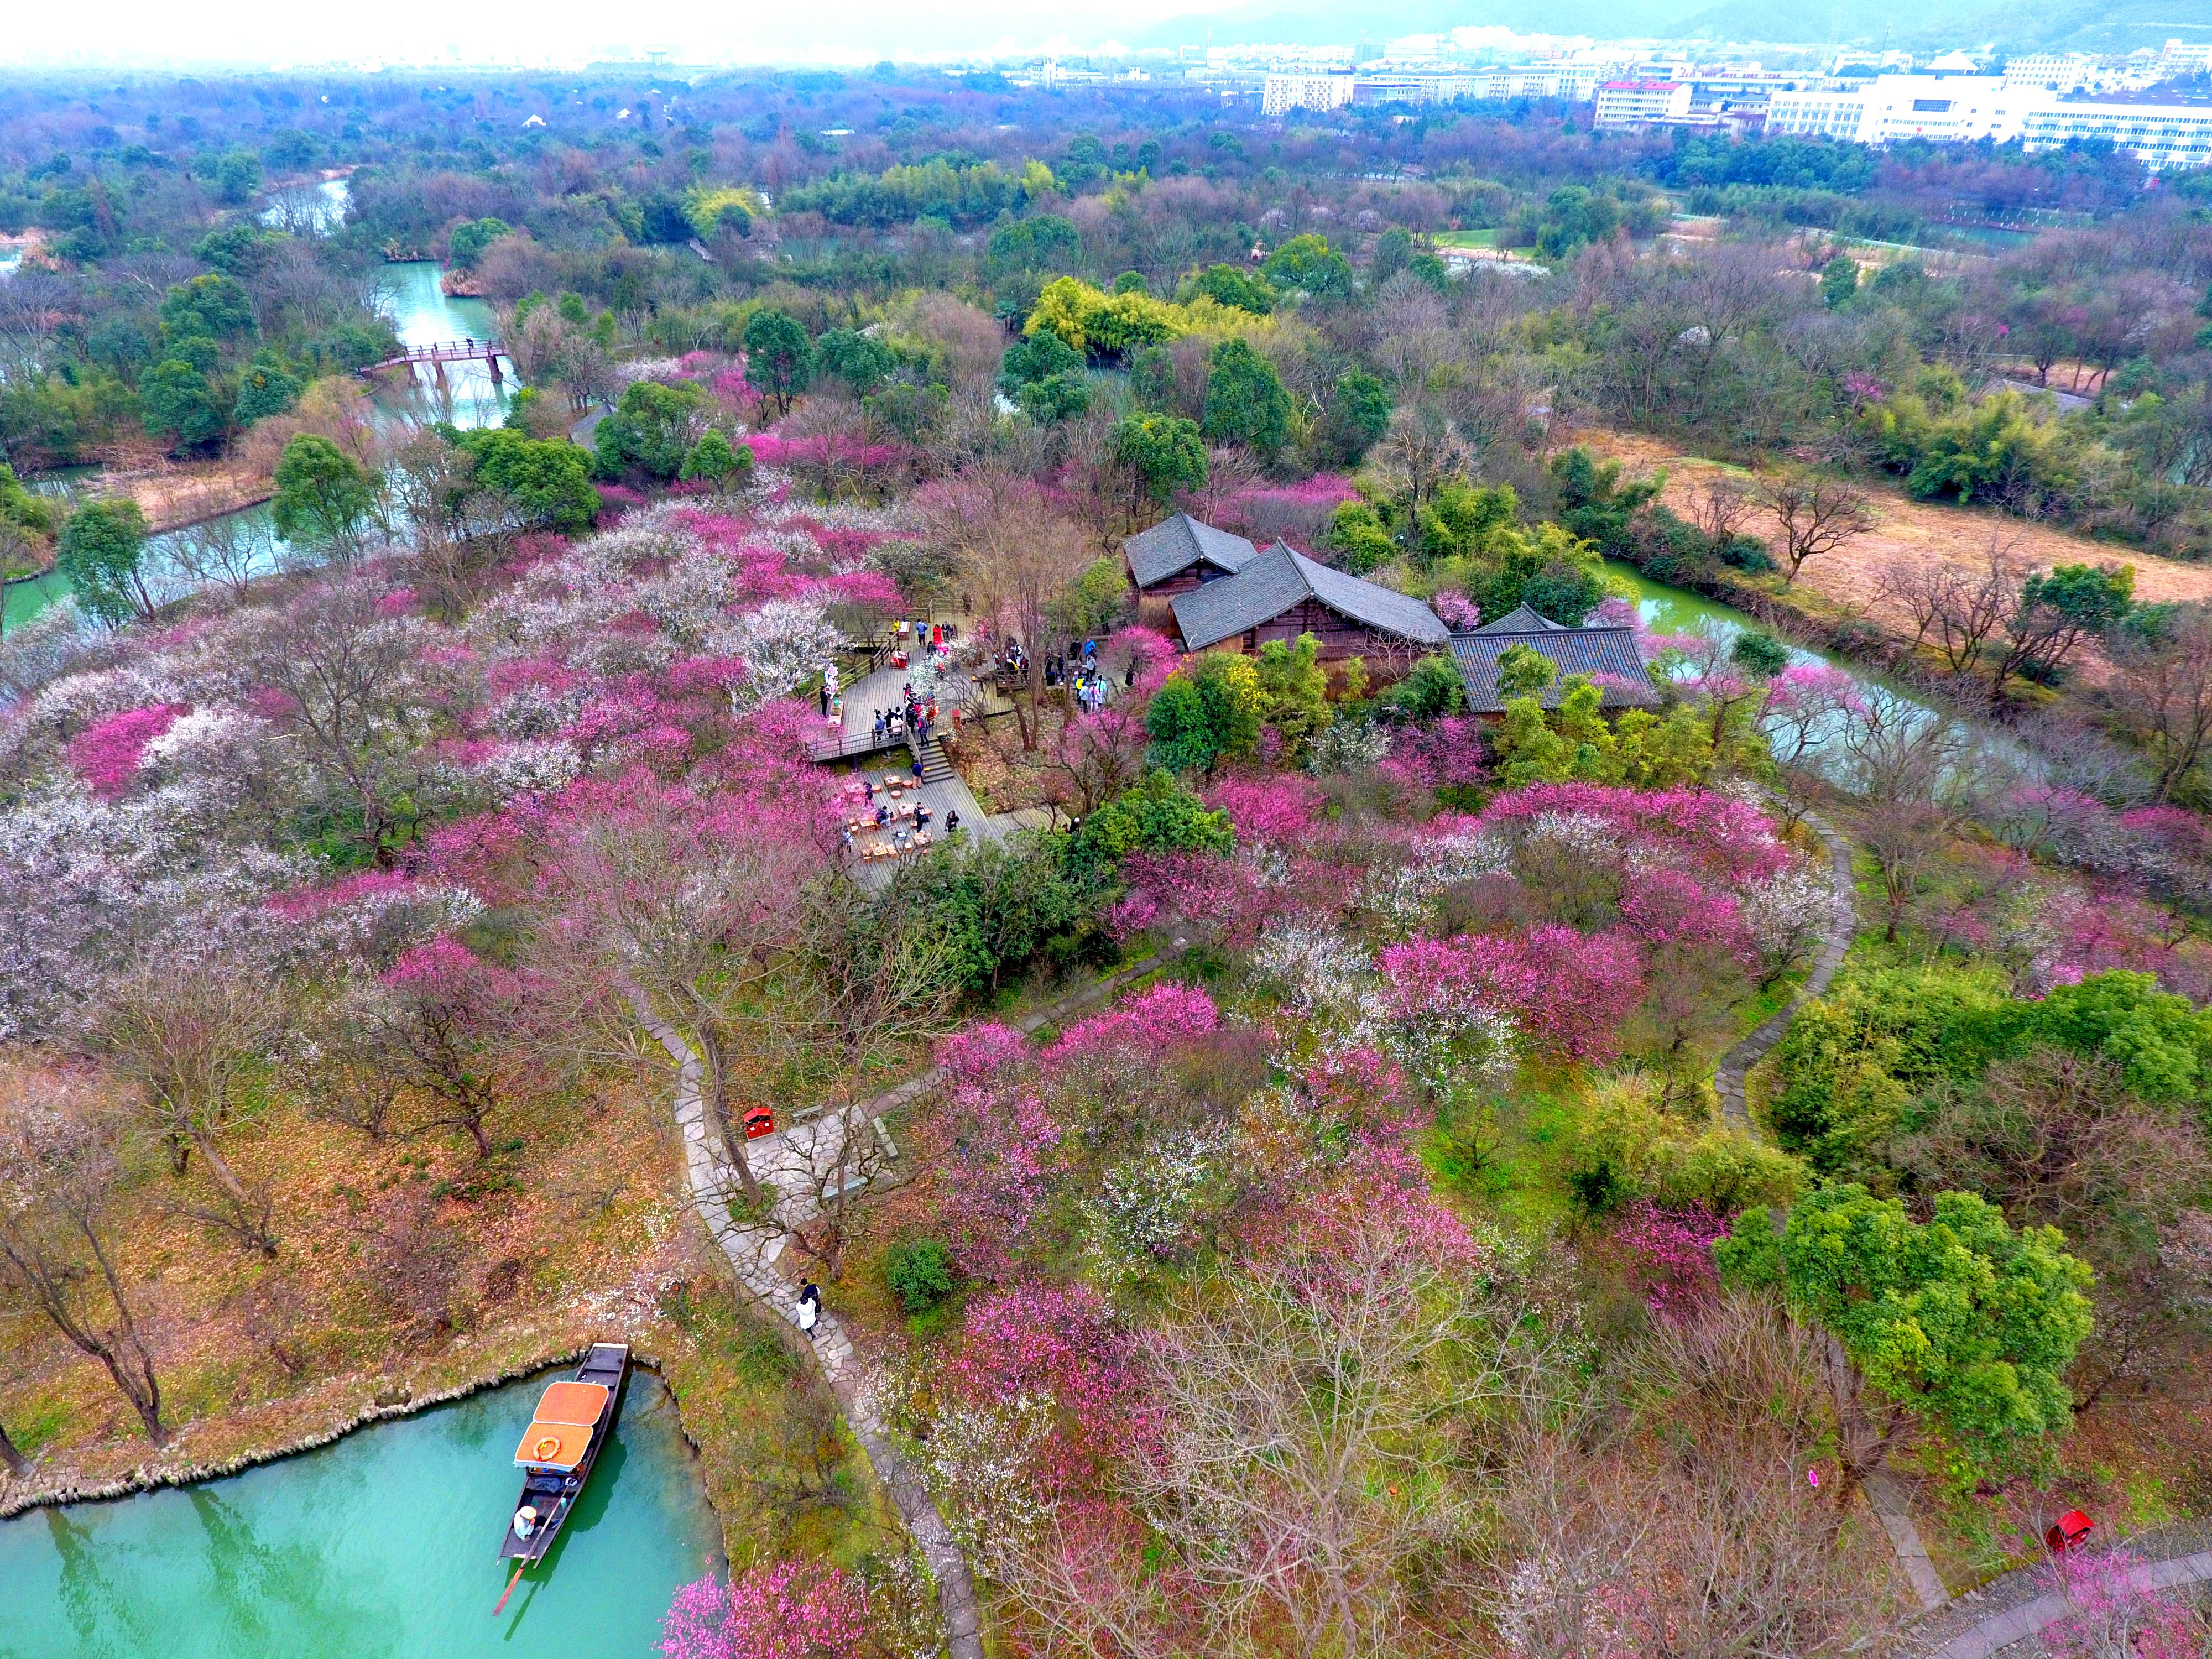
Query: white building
{"points": [[1947, 109], [1969, 108], [2057, 71], [1331, 89], [1820, 112], [2164, 136], [1642, 103]]}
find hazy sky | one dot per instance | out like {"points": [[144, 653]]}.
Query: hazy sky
{"points": [[159, 32]]}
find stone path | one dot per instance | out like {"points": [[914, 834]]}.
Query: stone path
{"points": [[1887, 1495], [797, 1151], [2009, 1611], [1843, 923]]}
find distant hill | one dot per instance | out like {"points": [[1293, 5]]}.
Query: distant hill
{"points": [[2068, 25]]}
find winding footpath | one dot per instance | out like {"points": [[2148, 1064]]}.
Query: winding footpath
{"points": [[1886, 1495], [754, 1253], [1835, 943]]}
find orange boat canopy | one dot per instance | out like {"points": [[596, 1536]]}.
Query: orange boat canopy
{"points": [[561, 1430]]}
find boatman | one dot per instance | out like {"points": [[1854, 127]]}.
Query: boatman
{"points": [[525, 1522]]}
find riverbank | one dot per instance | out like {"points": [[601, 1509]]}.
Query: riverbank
{"points": [[409, 1274], [1845, 587]]}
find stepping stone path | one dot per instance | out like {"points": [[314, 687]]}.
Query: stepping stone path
{"points": [[755, 1251]]}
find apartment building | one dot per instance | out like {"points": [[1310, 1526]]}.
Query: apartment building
{"points": [[1329, 89], [1622, 103]]}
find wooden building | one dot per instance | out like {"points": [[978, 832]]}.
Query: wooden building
{"points": [[1280, 594], [1606, 656], [1175, 555]]}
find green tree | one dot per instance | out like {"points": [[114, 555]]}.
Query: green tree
{"points": [[1355, 529], [1432, 689], [1245, 402], [1759, 653], [180, 406], [1959, 1323], [102, 549], [215, 306], [779, 358], [1042, 356], [322, 494], [1839, 280], [1431, 270], [1056, 397], [267, 387], [1394, 249], [920, 1272], [237, 177], [716, 460], [1595, 505], [652, 428], [994, 907], [1158, 814], [1293, 689], [1357, 415], [543, 484], [1043, 241], [1525, 671], [1163, 453], [1572, 218], [467, 242], [860, 361], [1087, 606], [1309, 264], [1205, 713], [239, 248], [1233, 286]]}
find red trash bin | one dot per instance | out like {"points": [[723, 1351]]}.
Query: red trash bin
{"points": [[759, 1121], [2068, 1531]]}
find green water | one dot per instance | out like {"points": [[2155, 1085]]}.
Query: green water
{"points": [[421, 314], [381, 1546]]}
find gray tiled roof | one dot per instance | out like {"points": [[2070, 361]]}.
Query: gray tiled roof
{"points": [[1282, 577], [1175, 543], [1608, 655], [1521, 620]]}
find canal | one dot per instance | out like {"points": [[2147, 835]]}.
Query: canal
{"points": [[381, 1546], [413, 297]]}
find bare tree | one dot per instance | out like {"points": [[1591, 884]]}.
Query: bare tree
{"points": [[689, 929], [1421, 452], [873, 985], [223, 552], [1815, 514], [1020, 555], [331, 1061], [2163, 690], [1674, 1516], [1295, 1473], [357, 699], [12, 1456], [1723, 505], [59, 1173], [188, 1033]]}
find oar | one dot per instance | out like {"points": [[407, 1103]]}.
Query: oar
{"points": [[511, 1584]]}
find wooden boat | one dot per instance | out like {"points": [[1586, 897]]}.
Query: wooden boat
{"points": [[572, 1422]]}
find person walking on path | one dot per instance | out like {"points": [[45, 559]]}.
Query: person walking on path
{"points": [[809, 1307]]}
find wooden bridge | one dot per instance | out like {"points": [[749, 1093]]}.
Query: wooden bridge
{"points": [[439, 353]]}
